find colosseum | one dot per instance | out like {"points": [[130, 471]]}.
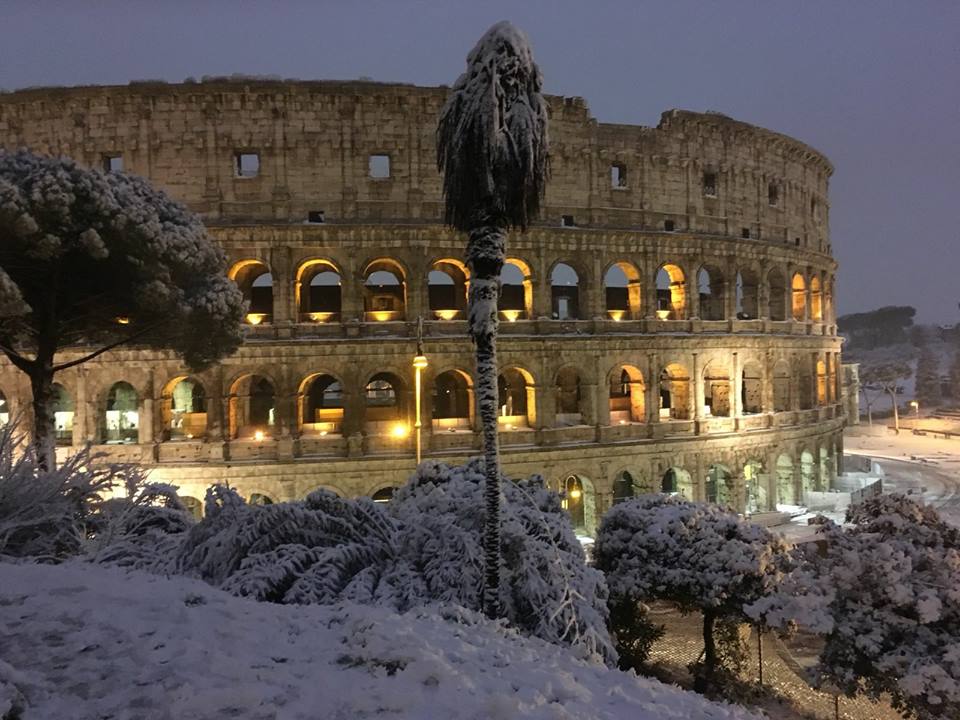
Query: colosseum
{"points": [[668, 323]]}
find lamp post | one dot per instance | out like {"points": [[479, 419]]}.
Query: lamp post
{"points": [[916, 409], [419, 363]]}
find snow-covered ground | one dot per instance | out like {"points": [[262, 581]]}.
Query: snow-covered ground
{"points": [[80, 641]]}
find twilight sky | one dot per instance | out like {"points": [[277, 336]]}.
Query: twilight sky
{"points": [[874, 84]]}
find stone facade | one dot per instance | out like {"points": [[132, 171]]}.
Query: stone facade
{"points": [[671, 314]]}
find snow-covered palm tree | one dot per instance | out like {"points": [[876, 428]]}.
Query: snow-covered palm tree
{"points": [[492, 151]]}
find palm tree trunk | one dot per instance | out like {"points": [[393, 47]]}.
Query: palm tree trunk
{"points": [[486, 250], [705, 678]]}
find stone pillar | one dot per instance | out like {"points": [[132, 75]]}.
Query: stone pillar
{"points": [[541, 296], [145, 434], [736, 388], [693, 292], [767, 382], [763, 292], [696, 395], [351, 292], [354, 409], [730, 292], [648, 287], [797, 365], [283, 297], [652, 379], [545, 415], [589, 413]]}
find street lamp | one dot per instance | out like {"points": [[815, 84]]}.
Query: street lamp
{"points": [[419, 363], [916, 408]]}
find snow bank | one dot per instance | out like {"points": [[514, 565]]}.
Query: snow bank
{"points": [[82, 641]]}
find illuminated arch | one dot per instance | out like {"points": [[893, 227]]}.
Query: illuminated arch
{"points": [[717, 389], [776, 285], [255, 281], [448, 282], [675, 392], [798, 289], [622, 291], [516, 290], [251, 407], [816, 300], [121, 418], [320, 405], [183, 409], [384, 290], [671, 285], [319, 290], [516, 398], [627, 395], [569, 398], [677, 481], [711, 287], [748, 294], [453, 401], [564, 292]]}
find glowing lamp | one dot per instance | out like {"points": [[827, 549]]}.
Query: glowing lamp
{"points": [[256, 318], [446, 314], [259, 436], [320, 316], [663, 314], [400, 430], [323, 433], [623, 422], [616, 315], [575, 494], [122, 320], [420, 362], [511, 315], [382, 315], [914, 404]]}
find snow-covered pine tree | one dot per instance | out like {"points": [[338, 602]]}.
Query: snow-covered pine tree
{"points": [[927, 382], [885, 597], [94, 260], [492, 151], [696, 555]]}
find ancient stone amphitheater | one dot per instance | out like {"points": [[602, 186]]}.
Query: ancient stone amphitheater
{"points": [[669, 322]]}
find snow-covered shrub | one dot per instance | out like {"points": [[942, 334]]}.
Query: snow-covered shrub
{"points": [[47, 514], [696, 555], [886, 596], [141, 530], [425, 546]]}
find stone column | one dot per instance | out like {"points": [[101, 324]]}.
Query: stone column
{"points": [[696, 395], [652, 379], [736, 388], [763, 292], [693, 291], [545, 415], [589, 413], [283, 298], [351, 292]]}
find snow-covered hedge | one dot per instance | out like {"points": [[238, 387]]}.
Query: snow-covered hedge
{"points": [[424, 546]]}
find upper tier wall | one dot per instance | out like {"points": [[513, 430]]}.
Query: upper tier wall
{"points": [[314, 140]]}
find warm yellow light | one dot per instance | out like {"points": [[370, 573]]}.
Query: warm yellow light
{"points": [[420, 362], [323, 433], [259, 436], [623, 422], [509, 426], [320, 316], [256, 318], [914, 404], [400, 430], [575, 494], [446, 314], [511, 315], [382, 315], [123, 320], [615, 315], [663, 314]]}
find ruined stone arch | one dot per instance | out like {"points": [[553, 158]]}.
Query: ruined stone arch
{"points": [[252, 404], [385, 283], [798, 293], [516, 290], [567, 286], [676, 388], [447, 284], [321, 404], [570, 397], [747, 305], [776, 293], [183, 408], [318, 289], [671, 292], [255, 278], [712, 291], [453, 405], [516, 397], [782, 393], [623, 291], [717, 388], [579, 499], [627, 395]]}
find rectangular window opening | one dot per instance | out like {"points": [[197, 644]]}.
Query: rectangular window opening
{"points": [[113, 163], [567, 221], [710, 184], [316, 216], [668, 225], [618, 176], [745, 233], [379, 166], [773, 195], [246, 164]]}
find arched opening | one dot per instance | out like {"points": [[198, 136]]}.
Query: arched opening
{"points": [[828, 299], [579, 500], [806, 374], [751, 388], [786, 487], [756, 484], [255, 281], [719, 485], [321, 406], [798, 287], [453, 405], [447, 284], [384, 291], [711, 287], [251, 406], [4, 410], [778, 300], [816, 300], [676, 481], [121, 420], [671, 293], [383, 495], [621, 287], [748, 295], [260, 499], [319, 291], [808, 472], [515, 399], [383, 396], [716, 390], [184, 409], [568, 398], [781, 387], [193, 505], [63, 409], [675, 393], [821, 382], [627, 396], [564, 293], [516, 291], [624, 487]]}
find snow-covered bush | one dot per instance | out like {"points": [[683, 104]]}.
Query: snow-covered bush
{"points": [[425, 546], [47, 514], [886, 596], [696, 555]]}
